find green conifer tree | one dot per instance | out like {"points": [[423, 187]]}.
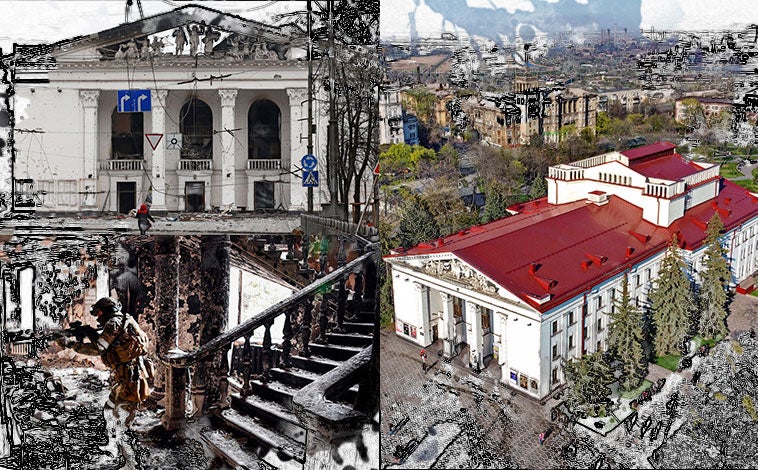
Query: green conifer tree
{"points": [[495, 203], [672, 302], [715, 278], [417, 224], [625, 339], [588, 378]]}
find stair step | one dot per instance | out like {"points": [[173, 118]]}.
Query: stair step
{"points": [[314, 363], [271, 413], [230, 449], [349, 339], [274, 391], [363, 317], [284, 447], [294, 376], [336, 352], [362, 328]]}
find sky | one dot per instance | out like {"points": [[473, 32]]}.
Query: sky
{"points": [[37, 21], [687, 15]]}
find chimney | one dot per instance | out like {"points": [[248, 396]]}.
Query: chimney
{"points": [[629, 251]]}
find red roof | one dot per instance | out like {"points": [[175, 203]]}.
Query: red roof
{"points": [[649, 151], [567, 249], [671, 167]]}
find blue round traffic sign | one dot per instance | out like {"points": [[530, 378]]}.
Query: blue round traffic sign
{"points": [[309, 162]]}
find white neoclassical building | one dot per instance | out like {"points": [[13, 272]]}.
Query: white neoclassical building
{"points": [[536, 287], [228, 101]]}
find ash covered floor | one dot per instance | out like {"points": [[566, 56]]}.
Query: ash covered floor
{"points": [[59, 411]]}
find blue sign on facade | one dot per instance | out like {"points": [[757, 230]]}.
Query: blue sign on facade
{"points": [[309, 162], [310, 179], [134, 101]]}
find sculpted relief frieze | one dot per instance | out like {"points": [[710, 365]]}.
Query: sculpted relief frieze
{"points": [[455, 270], [196, 40]]}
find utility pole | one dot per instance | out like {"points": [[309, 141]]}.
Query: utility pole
{"points": [[310, 95]]}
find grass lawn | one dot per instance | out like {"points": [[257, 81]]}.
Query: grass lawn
{"points": [[729, 170], [669, 362], [747, 184], [754, 293], [636, 392]]}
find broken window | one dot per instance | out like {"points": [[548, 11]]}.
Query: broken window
{"points": [[457, 309], [127, 134], [486, 319], [263, 195], [263, 124], [196, 126]]}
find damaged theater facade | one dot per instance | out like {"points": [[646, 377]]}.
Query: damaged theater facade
{"points": [[532, 289], [193, 109]]}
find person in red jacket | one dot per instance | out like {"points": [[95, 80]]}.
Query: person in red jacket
{"points": [[144, 219]]}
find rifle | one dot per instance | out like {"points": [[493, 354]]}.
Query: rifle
{"points": [[77, 330]]}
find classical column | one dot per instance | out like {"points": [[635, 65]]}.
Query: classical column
{"points": [[474, 320], [502, 357], [422, 294], [158, 160], [211, 377], [89, 101], [447, 325], [228, 98], [298, 98]]}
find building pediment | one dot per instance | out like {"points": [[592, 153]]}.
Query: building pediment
{"points": [[453, 270], [188, 33]]}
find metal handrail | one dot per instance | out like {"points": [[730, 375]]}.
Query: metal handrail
{"points": [[186, 359]]}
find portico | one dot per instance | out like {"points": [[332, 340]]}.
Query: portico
{"points": [[230, 110], [460, 307]]}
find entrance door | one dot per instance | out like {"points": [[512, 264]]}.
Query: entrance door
{"points": [[194, 196], [126, 196], [263, 195], [435, 333]]}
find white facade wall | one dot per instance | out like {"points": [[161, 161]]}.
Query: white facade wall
{"points": [[70, 129]]}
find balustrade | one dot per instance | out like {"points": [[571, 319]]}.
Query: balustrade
{"points": [[255, 361]]}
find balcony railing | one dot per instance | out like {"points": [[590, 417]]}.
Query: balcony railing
{"points": [[264, 164], [121, 165], [196, 165], [660, 188], [565, 172], [701, 176]]}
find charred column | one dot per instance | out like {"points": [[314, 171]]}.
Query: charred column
{"points": [[166, 293], [211, 376]]}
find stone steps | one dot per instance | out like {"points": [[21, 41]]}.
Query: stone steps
{"points": [[349, 339], [355, 327], [273, 414], [228, 447], [281, 447], [336, 352], [314, 363]]}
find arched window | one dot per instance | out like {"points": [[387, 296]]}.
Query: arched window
{"points": [[127, 134], [196, 125], [263, 125]]}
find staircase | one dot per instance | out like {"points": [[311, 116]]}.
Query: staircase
{"points": [[262, 425], [259, 428]]}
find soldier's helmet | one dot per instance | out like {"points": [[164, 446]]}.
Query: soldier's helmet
{"points": [[105, 305]]}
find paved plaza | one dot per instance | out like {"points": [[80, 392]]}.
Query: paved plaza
{"points": [[459, 419]]}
